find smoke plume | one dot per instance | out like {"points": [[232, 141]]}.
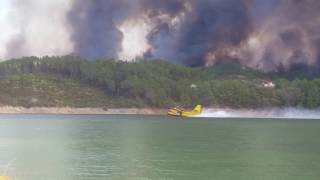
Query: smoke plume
{"points": [[35, 28], [204, 28], [285, 35], [94, 24], [266, 35]]}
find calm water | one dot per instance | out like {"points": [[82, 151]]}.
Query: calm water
{"points": [[36, 147]]}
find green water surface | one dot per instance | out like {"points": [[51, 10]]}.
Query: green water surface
{"points": [[57, 147]]}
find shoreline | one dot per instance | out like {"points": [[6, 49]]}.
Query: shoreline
{"points": [[295, 113], [81, 111]]}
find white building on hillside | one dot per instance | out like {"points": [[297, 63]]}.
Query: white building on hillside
{"points": [[268, 84]]}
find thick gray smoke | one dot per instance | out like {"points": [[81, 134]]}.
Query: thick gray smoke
{"points": [[206, 27], [285, 34], [94, 24], [264, 34], [261, 34]]}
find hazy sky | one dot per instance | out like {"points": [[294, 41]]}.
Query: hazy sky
{"points": [[4, 6]]}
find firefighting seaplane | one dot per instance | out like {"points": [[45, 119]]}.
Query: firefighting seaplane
{"points": [[178, 112]]}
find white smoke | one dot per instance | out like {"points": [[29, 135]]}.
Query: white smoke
{"points": [[34, 28], [6, 29]]}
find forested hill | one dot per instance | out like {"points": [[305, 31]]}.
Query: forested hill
{"points": [[70, 81]]}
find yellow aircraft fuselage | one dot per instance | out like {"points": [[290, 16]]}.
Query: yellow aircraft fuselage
{"points": [[4, 178], [182, 113]]}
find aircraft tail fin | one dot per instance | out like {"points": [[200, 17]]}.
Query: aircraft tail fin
{"points": [[198, 108]]}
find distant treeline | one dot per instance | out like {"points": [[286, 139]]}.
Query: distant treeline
{"points": [[158, 83]]}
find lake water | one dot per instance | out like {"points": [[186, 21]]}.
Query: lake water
{"points": [[57, 147]]}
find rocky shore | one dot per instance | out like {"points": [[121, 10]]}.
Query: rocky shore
{"points": [[71, 110]]}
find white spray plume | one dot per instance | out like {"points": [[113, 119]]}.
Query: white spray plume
{"points": [[285, 113]]}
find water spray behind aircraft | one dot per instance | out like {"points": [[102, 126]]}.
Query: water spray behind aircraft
{"points": [[273, 113]]}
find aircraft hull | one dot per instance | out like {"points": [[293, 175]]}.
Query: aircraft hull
{"points": [[182, 113]]}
